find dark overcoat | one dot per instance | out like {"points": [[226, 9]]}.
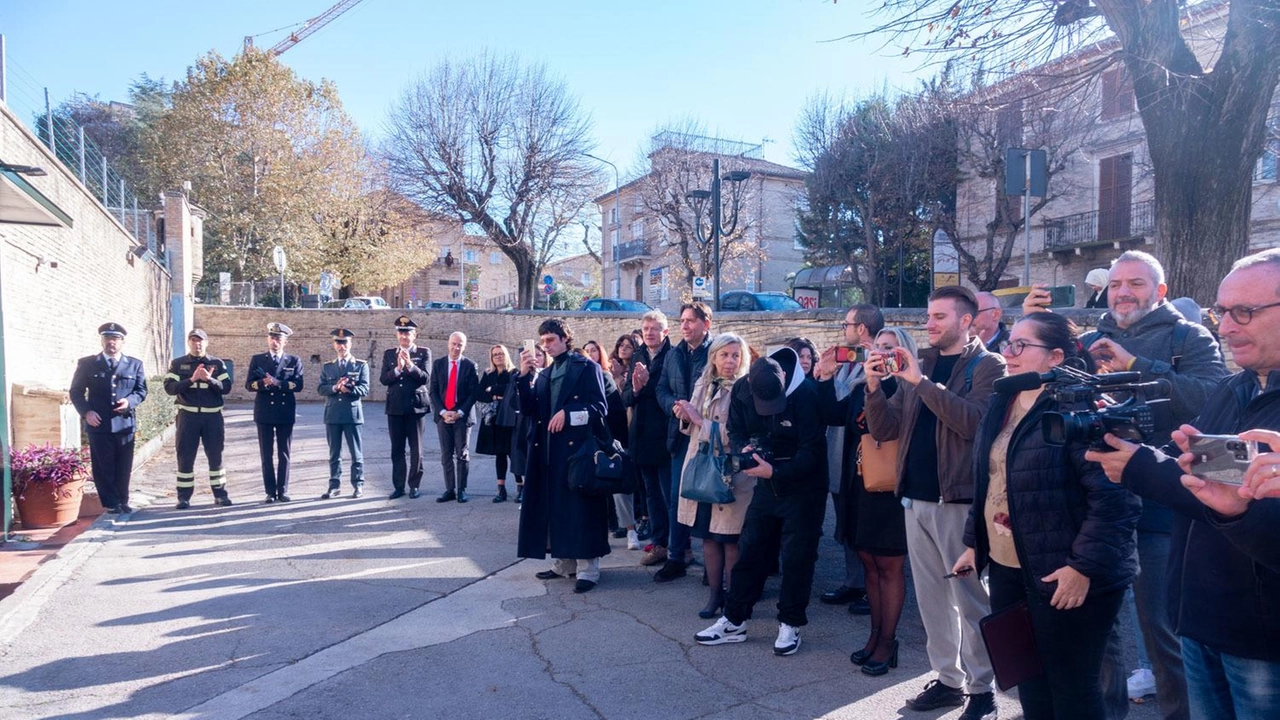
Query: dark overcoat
{"points": [[553, 518], [648, 430]]}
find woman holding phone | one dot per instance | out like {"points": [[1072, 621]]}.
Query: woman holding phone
{"points": [[1049, 527]]}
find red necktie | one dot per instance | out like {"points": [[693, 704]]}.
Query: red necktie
{"points": [[451, 392]]}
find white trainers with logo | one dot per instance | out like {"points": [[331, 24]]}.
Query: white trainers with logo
{"points": [[633, 542], [1141, 684], [788, 641], [722, 632]]}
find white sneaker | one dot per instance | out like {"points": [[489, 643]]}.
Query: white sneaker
{"points": [[788, 641], [633, 542], [722, 632], [1141, 684]]}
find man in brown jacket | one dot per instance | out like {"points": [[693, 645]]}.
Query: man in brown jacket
{"points": [[935, 415]]}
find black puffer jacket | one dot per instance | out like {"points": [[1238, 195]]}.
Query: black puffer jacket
{"points": [[1224, 574], [1063, 509], [648, 430]]}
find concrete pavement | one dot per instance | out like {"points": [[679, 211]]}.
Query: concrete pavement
{"points": [[370, 608]]}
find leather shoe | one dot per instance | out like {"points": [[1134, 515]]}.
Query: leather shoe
{"points": [[396, 494], [270, 499], [447, 496], [462, 496], [115, 509], [182, 505], [860, 606], [222, 500], [548, 575], [583, 586], [126, 509], [335, 492], [414, 493], [357, 492], [284, 498], [841, 595]]}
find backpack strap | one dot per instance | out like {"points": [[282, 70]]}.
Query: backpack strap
{"points": [[1178, 341], [968, 372]]}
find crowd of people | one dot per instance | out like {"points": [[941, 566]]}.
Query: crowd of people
{"points": [[964, 459]]}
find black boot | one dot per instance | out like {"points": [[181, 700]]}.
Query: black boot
{"points": [[502, 494], [220, 497], [519, 493], [184, 498]]}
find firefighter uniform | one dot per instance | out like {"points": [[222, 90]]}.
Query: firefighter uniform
{"points": [[199, 404]]}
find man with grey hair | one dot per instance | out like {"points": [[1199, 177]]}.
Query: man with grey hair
{"points": [[988, 324], [454, 387], [1141, 332], [648, 429]]}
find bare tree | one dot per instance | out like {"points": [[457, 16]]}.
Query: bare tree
{"points": [[500, 147], [1202, 178]]}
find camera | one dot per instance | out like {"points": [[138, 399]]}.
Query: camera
{"points": [[739, 461], [1090, 406], [847, 354]]}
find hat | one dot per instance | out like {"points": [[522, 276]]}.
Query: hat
{"points": [[789, 360], [279, 329], [767, 381], [404, 323], [1098, 277], [112, 329], [342, 335], [198, 333]]}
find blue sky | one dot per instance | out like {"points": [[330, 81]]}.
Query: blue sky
{"points": [[744, 68]]}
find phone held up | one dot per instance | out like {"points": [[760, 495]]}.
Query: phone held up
{"points": [[1221, 458], [851, 354]]}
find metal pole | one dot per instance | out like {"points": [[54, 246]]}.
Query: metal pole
{"points": [[104, 182], [121, 201], [1026, 219], [715, 225], [48, 120], [82, 173], [617, 210], [3, 68], [282, 290]]}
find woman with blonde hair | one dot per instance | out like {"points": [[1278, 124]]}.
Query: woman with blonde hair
{"points": [[496, 422], [718, 526]]}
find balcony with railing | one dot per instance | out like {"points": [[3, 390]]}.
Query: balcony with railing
{"points": [[634, 251], [1099, 227]]}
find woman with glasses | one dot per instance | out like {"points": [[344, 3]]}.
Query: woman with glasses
{"points": [[1050, 529], [496, 423]]}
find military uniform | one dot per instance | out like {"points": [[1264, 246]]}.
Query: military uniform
{"points": [[199, 421], [407, 407], [344, 415], [274, 411], [98, 384]]}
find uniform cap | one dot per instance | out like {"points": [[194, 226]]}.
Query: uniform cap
{"points": [[198, 333], [112, 329], [404, 323], [342, 335], [280, 329]]}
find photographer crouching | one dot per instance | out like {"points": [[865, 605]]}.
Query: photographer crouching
{"points": [[1224, 571], [1048, 526], [779, 439]]}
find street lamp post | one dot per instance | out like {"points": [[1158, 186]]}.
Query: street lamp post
{"points": [[617, 210], [699, 199]]}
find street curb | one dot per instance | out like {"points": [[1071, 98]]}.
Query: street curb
{"points": [[153, 446]]}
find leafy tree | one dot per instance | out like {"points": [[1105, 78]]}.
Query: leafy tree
{"points": [[498, 146], [1203, 180]]}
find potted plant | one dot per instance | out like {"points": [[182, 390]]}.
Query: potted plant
{"points": [[48, 483]]}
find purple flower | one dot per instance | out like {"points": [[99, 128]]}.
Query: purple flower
{"points": [[46, 467]]}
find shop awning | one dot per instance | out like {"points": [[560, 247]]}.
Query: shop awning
{"points": [[830, 276]]}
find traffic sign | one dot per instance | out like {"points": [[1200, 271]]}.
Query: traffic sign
{"points": [[699, 286], [278, 255], [548, 280], [549, 289]]}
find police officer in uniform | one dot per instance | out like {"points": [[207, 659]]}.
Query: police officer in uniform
{"points": [[199, 381], [105, 389], [342, 383], [405, 372], [275, 377]]}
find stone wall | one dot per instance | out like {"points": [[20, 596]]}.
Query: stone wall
{"points": [[238, 333], [60, 284]]}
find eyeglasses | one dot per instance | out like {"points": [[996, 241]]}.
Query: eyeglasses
{"points": [[847, 325], [1241, 314], [987, 310], [1015, 348]]}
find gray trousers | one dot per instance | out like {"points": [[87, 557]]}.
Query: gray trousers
{"points": [[951, 608], [455, 458], [335, 433]]}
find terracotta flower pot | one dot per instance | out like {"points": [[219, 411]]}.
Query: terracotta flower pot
{"points": [[40, 507]]}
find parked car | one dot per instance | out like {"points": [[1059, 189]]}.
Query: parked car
{"points": [[438, 305], [371, 302], [614, 305], [742, 301]]}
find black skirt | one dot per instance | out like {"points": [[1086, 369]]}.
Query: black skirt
{"points": [[493, 440]]}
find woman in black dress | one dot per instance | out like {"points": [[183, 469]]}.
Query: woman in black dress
{"points": [[497, 422]]}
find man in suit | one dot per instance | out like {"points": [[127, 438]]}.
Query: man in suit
{"points": [[275, 377], [199, 381], [342, 383], [405, 372], [105, 389], [454, 384]]}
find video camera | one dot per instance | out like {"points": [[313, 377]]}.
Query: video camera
{"points": [[1090, 406]]}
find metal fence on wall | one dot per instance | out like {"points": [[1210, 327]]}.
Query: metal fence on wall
{"points": [[30, 102]]}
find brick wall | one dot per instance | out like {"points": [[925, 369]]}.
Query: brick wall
{"points": [[238, 333], [51, 313]]}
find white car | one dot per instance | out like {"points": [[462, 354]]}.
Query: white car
{"points": [[371, 302]]}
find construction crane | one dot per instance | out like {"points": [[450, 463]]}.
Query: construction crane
{"points": [[308, 28]]}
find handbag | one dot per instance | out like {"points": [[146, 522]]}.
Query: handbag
{"points": [[878, 464], [1011, 644], [704, 478], [600, 466]]}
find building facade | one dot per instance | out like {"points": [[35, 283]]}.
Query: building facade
{"points": [[648, 227], [469, 270]]}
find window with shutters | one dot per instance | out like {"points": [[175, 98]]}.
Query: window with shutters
{"points": [[1115, 196], [1117, 94]]}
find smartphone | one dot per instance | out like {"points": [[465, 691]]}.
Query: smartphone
{"points": [[1062, 296], [892, 362], [528, 345], [962, 572], [855, 354], [1221, 458]]}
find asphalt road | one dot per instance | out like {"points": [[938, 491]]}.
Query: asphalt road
{"points": [[371, 608]]}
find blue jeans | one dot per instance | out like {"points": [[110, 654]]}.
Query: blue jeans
{"points": [[1227, 687], [679, 542], [657, 484]]}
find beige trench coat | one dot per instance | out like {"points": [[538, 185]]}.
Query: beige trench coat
{"points": [[725, 519]]}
